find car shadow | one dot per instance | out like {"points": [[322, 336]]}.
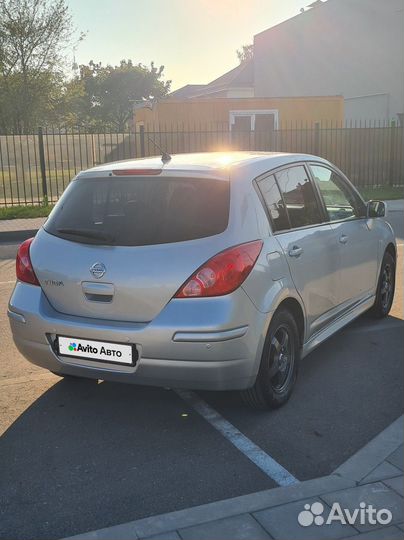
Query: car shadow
{"points": [[75, 443], [88, 454]]}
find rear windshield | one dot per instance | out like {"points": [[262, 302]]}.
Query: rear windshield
{"points": [[140, 211]]}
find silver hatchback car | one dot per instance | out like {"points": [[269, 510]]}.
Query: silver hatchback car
{"points": [[205, 271]]}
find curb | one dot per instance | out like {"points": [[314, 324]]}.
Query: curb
{"points": [[347, 475], [17, 236], [19, 229]]}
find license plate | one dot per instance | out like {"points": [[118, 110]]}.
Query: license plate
{"points": [[102, 351]]}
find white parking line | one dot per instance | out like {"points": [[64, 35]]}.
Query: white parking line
{"points": [[4, 282], [253, 452]]}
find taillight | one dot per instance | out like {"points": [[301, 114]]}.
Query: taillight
{"points": [[23, 265], [223, 273]]}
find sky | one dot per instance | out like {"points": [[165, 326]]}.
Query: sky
{"points": [[196, 40]]}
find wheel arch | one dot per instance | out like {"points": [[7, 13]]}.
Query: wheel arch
{"points": [[391, 248], [293, 306]]}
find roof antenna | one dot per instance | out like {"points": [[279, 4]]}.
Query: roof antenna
{"points": [[165, 157]]}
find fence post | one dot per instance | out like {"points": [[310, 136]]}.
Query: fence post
{"points": [[317, 138], [142, 146], [42, 164], [392, 154]]}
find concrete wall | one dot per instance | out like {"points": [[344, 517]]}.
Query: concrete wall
{"points": [[349, 47]]}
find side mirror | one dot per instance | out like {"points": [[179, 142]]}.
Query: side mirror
{"points": [[376, 209]]}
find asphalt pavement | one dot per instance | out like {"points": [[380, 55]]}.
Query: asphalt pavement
{"points": [[78, 456]]}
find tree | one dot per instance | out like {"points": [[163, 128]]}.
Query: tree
{"points": [[246, 53], [33, 35], [26, 104], [105, 95]]}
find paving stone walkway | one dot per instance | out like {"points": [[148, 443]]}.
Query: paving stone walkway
{"points": [[21, 224]]}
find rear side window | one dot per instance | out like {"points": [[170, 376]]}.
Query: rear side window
{"points": [[140, 211], [274, 203], [299, 196]]}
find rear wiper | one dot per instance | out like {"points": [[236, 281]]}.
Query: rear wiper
{"points": [[87, 233]]}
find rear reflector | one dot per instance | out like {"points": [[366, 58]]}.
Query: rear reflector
{"points": [[136, 172], [23, 265], [223, 273]]}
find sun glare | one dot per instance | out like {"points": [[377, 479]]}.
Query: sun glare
{"points": [[226, 159]]}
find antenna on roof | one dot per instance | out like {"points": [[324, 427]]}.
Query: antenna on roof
{"points": [[165, 156]]}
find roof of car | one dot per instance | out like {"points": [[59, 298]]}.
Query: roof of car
{"points": [[207, 162]]}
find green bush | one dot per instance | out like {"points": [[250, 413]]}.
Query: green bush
{"points": [[21, 212]]}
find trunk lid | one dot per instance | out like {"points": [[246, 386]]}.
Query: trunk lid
{"points": [[119, 249], [138, 281]]}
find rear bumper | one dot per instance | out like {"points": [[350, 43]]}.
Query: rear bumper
{"points": [[212, 344]]}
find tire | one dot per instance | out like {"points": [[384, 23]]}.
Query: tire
{"points": [[279, 366], [385, 287]]}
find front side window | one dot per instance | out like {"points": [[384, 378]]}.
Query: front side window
{"points": [[339, 201], [299, 197], [274, 203]]}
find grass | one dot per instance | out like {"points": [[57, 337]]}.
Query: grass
{"points": [[20, 188], [21, 212], [384, 193]]}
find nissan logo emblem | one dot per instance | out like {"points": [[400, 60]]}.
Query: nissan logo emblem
{"points": [[98, 270]]}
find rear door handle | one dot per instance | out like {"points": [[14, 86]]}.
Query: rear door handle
{"points": [[296, 251], [343, 239]]}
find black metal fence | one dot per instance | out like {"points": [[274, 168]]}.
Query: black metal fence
{"points": [[36, 168]]}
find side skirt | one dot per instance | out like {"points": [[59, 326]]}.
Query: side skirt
{"points": [[337, 324]]}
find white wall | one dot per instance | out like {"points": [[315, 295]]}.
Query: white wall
{"points": [[375, 107], [349, 47]]}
